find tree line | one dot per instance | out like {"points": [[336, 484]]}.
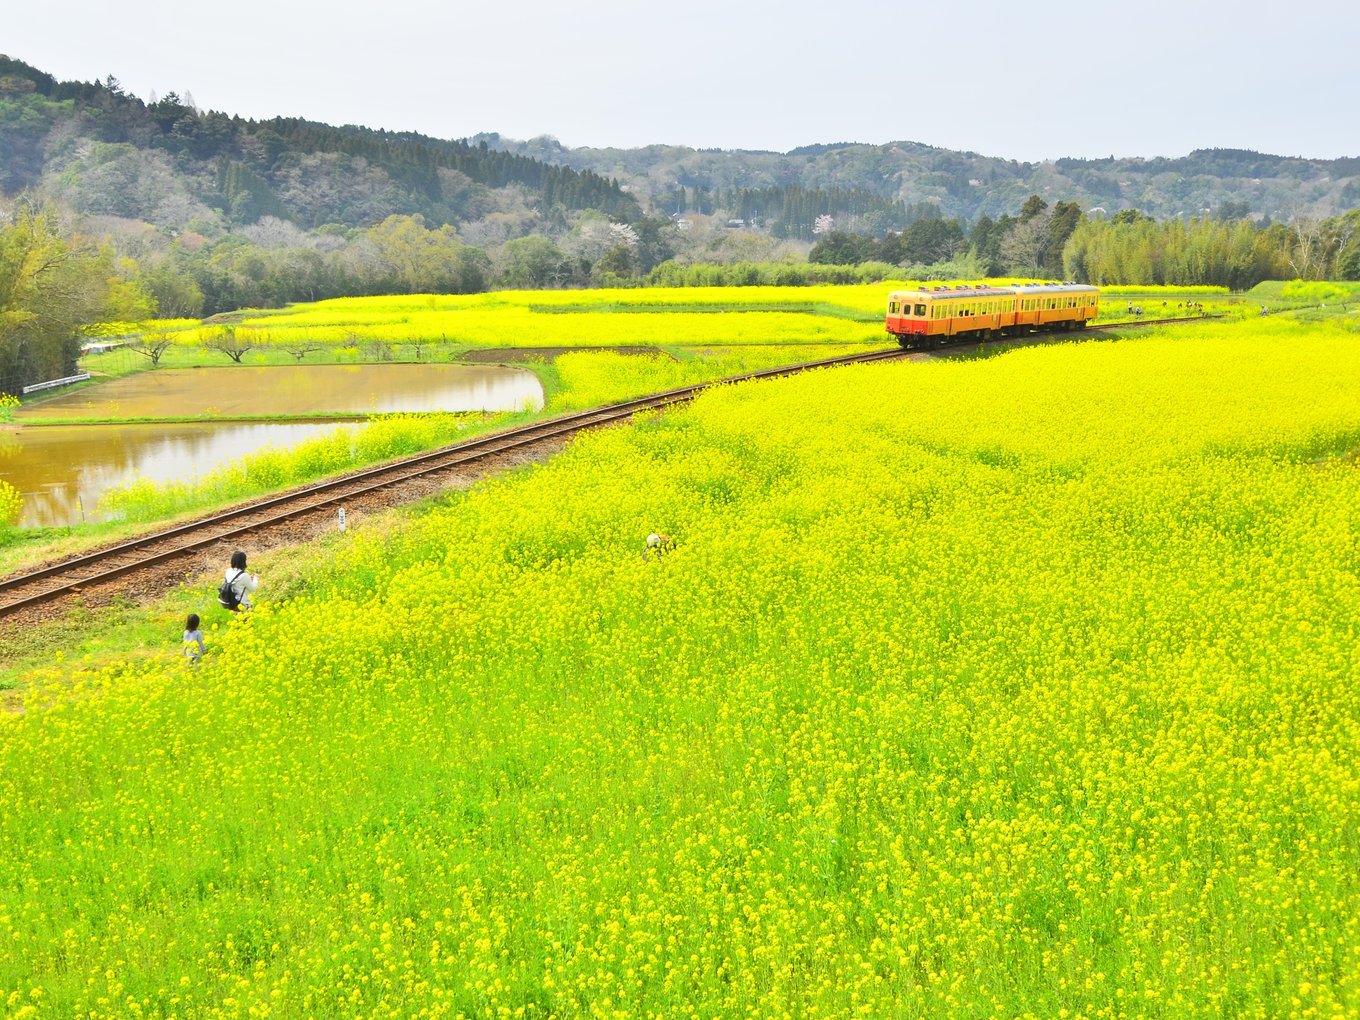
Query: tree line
{"points": [[790, 211], [54, 280], [1129, 247]]}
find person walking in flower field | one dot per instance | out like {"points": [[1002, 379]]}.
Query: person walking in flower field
{"points": [[658, 545], [194, 646]]}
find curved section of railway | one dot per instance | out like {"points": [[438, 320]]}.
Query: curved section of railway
{"points": [[74, 575], [97, 568]]}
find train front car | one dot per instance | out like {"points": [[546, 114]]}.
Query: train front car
{"points": [[908, 316]]}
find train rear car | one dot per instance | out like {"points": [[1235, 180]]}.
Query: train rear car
{"points": [[1050, 306]]}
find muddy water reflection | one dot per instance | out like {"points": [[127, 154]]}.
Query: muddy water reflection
{"points": [[250, 390], [62, 470]]}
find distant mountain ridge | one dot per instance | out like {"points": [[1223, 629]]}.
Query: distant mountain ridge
{"points": [[105, 153], [968, 185]]}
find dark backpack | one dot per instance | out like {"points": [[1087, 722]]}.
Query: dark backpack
{"points": [[226, 595]]}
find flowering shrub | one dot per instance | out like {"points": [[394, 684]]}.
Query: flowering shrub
{"points": [[11, 504]]}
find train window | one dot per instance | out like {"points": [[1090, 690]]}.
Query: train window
{"points": [[892, 307], [920, 309]]}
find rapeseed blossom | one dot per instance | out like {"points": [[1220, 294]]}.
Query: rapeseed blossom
{"points": [[1013, 687], [645, 317]]}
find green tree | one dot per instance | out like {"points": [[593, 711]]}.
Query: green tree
{"points": [[840, 248], [529, 262], [617, 261], [49, 287], [1034, 206], [416, 260], [933, 240], [1064, 220], [177, 294]]}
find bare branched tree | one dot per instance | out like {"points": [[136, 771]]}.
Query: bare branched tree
{"points": [[1307, 254], [226, 340], [301, 346], [1023, 247], [150, 345]]}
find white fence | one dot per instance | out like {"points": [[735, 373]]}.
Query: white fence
{"points": [[54, 383]]}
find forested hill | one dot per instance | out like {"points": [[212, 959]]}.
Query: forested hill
{"points": [[166, 163], [1228, 183], [103, 152]]}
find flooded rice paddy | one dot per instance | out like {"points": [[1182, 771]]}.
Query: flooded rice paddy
{"points": [[62, 470], [254, 391]]}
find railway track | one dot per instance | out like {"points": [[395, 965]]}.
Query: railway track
{"points": [[974, 339], [1133, 323], [77, 574]]}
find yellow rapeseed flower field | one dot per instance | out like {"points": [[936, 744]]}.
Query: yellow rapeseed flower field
{"points": [[638, 317], [1016, 687], [574, 318]]}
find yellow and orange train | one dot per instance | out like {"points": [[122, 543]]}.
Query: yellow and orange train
{"points": [[937, 315]]}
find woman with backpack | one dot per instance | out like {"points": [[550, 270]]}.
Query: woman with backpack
{"points": [[237, 584]]}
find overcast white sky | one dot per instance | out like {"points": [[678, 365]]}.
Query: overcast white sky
{"points": [[1023, 81]]}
